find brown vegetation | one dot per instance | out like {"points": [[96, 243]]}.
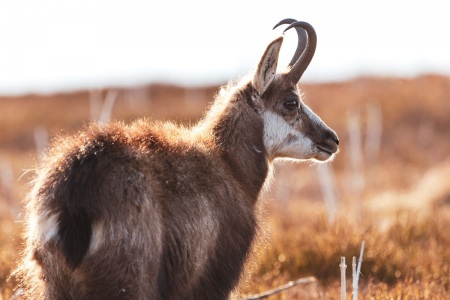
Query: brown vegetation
{"points": [[400, 206]]}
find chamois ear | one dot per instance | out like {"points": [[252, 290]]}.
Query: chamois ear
{"points": [[267, 66]]}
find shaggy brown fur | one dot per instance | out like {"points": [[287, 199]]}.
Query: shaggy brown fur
{"points": [[170, 210], [155, 210]]}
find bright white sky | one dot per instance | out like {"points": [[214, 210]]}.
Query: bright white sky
{"points": [[52, 45]]}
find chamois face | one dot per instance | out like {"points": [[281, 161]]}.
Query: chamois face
{"points": [[291, 129]]}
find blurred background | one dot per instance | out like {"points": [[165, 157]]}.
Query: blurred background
{"points": [[380, 77], [52, 45]]}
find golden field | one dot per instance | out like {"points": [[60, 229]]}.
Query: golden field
{"points": [[388, 186]]}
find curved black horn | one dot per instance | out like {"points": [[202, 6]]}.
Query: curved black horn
{"points": [[301, 33], [302, 63]]}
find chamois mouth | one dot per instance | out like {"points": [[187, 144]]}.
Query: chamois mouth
{"points": [[328, 151]]}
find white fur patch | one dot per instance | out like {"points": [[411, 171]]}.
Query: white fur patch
{"points": [[44, 226], [201, 247], [282, 140], [97, 237], [50, 227]]}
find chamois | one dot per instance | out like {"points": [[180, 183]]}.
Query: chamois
{"points": [[154, 210]]}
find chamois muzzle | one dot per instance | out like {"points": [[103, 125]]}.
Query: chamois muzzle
{"points": [[329, 143]]}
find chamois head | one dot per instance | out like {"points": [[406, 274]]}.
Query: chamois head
{"points": [[291, 129]]}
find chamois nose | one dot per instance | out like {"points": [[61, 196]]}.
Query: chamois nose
{"points": [[333, 136], [335, 139]]}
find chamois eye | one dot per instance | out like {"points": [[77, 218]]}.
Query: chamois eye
{"points": [[291, 104]]}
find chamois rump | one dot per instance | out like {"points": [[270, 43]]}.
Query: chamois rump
{"points": [[160, 211]]}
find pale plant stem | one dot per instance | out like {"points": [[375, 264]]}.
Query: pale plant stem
{"points": [[343, 283], [354, 278], [281, 288]]}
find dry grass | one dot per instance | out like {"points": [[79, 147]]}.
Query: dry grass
{"points": [[401, 207], [410, 256], [9, 245]]}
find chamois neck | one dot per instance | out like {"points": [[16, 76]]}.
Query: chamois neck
{"points": [[238, 134]]}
